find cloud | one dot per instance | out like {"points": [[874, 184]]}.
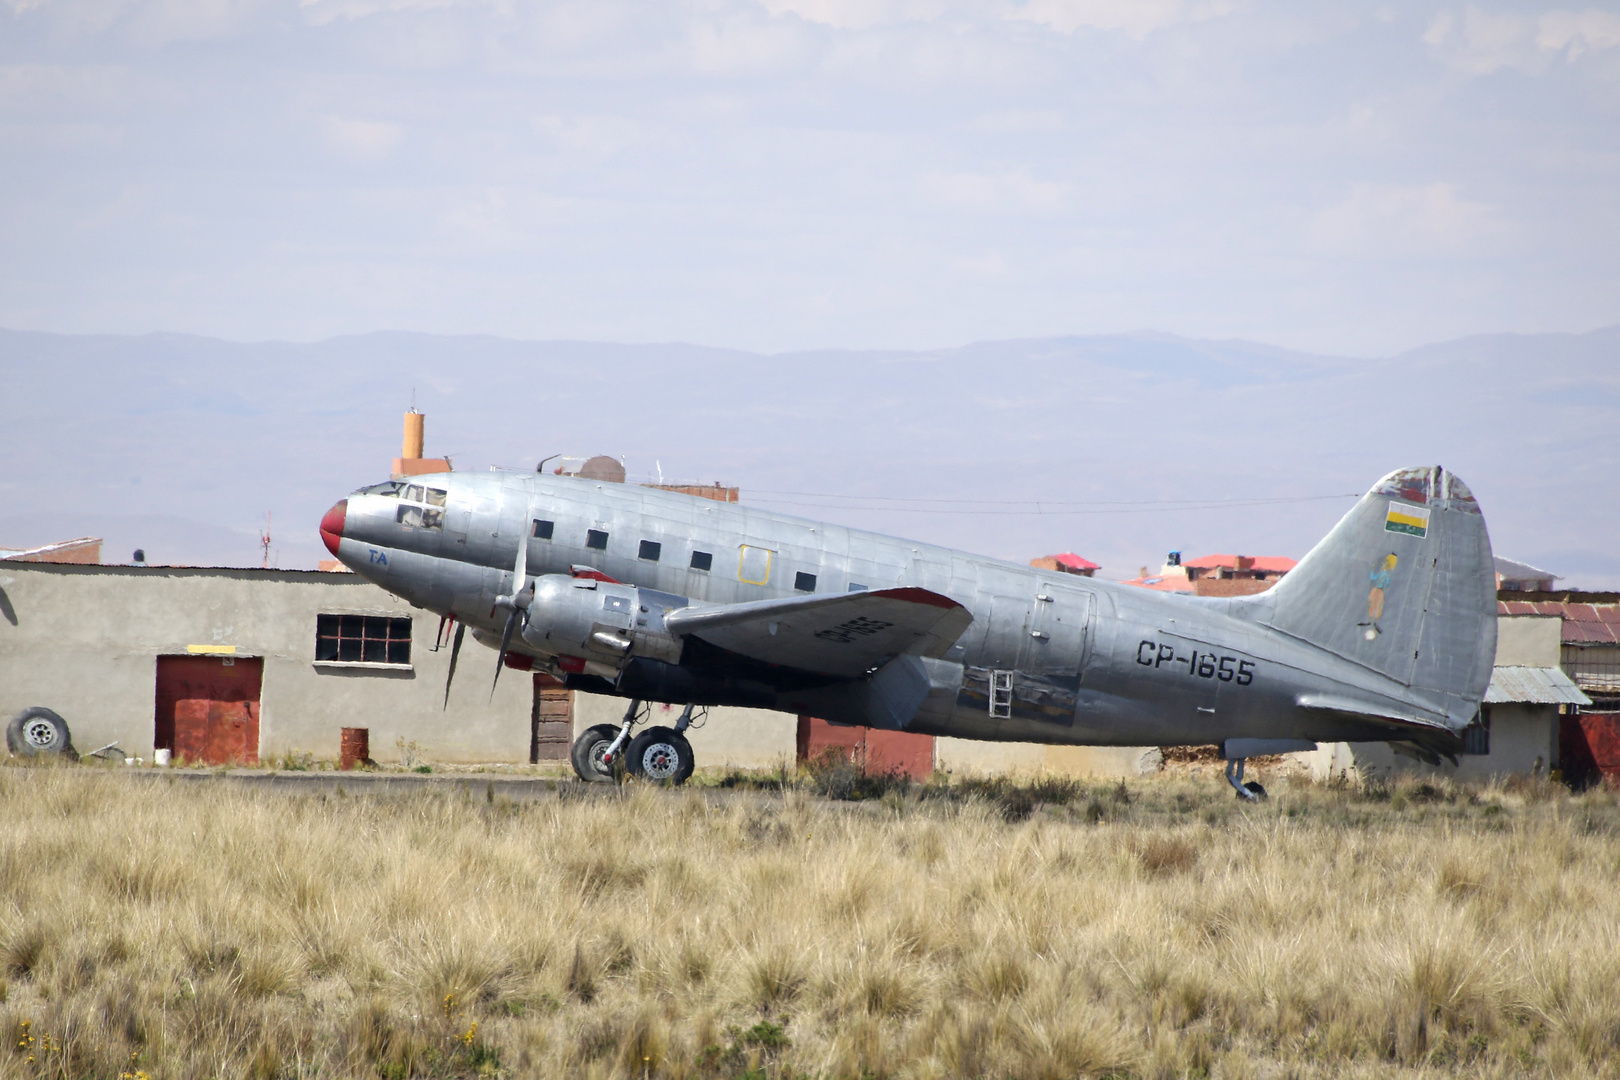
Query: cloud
{"points": [[1137, 18], [1390, 220], [1004, 191], [365, 139], [860, 14], [986, 267], [1480, 42]]}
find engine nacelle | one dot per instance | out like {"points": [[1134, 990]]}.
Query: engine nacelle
{"points": [[596, 627]]}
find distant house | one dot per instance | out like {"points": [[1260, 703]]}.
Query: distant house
{"points": [[84, 550], [1216, 575], [1522, 577], [1066, 563]]}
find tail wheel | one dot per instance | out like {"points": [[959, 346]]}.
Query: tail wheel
{"points": [[586, 755], [662, 755], [37, 731]]}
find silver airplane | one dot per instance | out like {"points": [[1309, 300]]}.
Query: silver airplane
{"points": [[1385, 631]]}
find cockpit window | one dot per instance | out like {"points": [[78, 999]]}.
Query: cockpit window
{"points": [[413, 492], [388, 487], [435, 496], [419, 517]]}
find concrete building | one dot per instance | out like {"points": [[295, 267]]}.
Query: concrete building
{"points": [[84, 549], [249, 665], [223, 664], [1215, 575], [1518, 728], [1067, 562]]}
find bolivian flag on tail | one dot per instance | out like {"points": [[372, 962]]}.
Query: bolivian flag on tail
{"points": [[1408, 519]]}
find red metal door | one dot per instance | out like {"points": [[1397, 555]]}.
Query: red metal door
{"points": [[208, 708], [874, 749]]}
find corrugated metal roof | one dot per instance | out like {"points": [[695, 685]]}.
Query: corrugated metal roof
{"points": [[1584, 624], [1533, 686]]}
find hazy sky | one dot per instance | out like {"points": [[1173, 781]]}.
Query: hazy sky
{"points": [[770, 174]]}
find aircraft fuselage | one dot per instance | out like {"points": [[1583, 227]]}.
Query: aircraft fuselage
{"points": [[1048, 657]]}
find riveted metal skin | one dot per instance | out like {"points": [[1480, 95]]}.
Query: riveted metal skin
{"points": [[1385, 631]]}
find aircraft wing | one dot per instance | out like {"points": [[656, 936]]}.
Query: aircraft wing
{"points": [[845, 635]]}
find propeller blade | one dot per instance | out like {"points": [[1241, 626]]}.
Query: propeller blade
{"points": [[520, 571], [455, 651], [506, 639]]}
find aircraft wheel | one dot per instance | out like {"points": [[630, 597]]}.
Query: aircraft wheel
{"points": [[661, 755], [586, 755], [37, 731], [1256, 792]]}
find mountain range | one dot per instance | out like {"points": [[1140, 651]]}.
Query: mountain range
{"points": [[1118, 447]]}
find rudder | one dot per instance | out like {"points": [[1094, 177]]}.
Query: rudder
{"points": [[1403, 585]]}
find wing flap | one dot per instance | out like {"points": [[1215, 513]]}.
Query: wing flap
{"points": [[844, 635]]}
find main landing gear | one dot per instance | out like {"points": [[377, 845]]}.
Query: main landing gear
{"points": [[660, 754]]}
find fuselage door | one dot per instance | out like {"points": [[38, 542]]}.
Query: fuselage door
{"points": [[1055, 637]]}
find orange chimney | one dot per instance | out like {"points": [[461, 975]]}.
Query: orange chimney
{"points": [[412, 447], [411, 462]]}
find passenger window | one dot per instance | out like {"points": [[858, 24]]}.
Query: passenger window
{"points": [[650, 550], [804, 582], [435, 497], [409, 515], [413, 492], [541, 530], [702, 560], [596, 538], [856, 587]]}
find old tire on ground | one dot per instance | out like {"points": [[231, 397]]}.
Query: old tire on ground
{"points": [[37, 731], [586, 755], [661, 755]]}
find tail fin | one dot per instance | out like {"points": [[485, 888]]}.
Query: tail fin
{"points": [[1403, 585]]}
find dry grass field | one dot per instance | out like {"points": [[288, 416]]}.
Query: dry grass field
{"points": [[152, 929]]}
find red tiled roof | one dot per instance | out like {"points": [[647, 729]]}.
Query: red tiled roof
{"points": [[1271, 563], [1075, 562], [1583, 624]]}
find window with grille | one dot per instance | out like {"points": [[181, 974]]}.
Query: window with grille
{"points": [[1477, 736], [363, 639]]}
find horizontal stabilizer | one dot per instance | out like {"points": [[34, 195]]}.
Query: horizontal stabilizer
{"points": [[1418, 736], [844, 634]]}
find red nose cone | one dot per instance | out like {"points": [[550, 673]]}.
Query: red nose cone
{"points": [[332, 525]]}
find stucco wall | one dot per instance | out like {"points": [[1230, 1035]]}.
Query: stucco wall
{"points": [[1528, 640], [85, 642]]}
